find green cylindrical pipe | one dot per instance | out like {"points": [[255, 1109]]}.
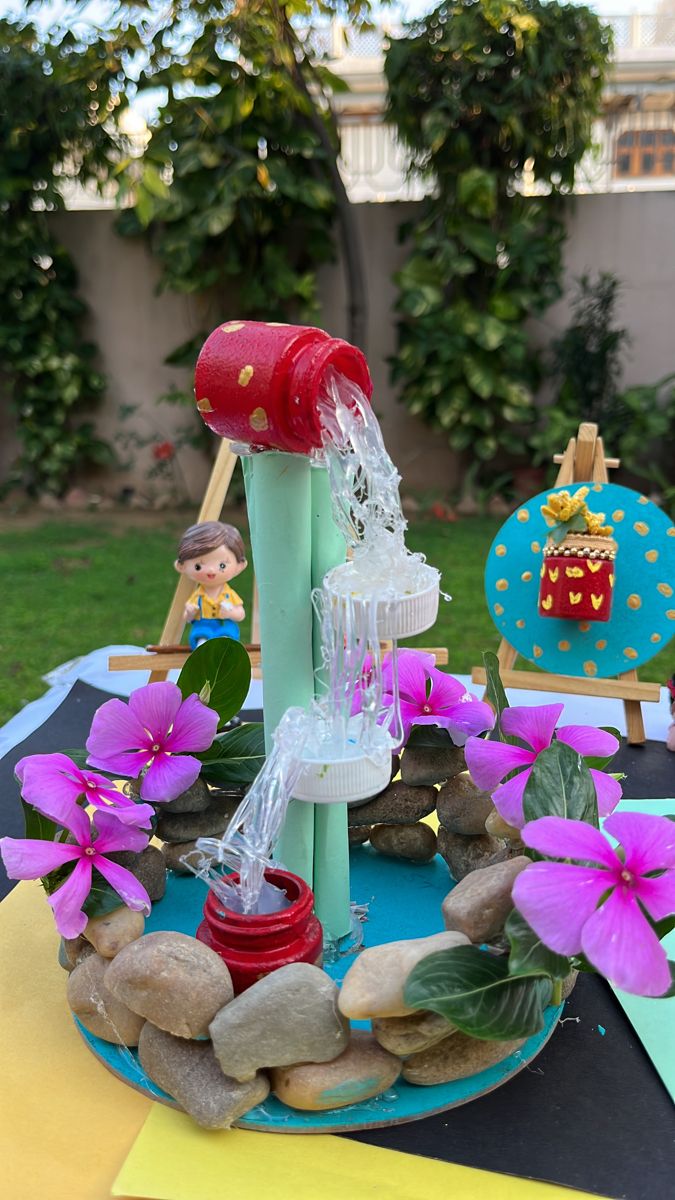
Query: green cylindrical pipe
{"points": [[331, 843]]}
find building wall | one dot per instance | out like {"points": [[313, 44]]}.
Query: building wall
{"points": [[632, 235]]}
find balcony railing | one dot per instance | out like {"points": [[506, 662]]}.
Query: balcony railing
{"points": [[634, 32]]}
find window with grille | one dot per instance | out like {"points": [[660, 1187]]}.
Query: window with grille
{"points": [[645, 152]]}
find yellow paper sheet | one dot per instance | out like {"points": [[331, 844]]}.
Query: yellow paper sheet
{"points": [[66, 1124], [173, 1160]]}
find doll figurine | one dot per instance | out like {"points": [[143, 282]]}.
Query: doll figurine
{"points": [[211, 555]]}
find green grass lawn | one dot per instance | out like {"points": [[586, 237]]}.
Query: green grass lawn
{"points": [[70, 586]]}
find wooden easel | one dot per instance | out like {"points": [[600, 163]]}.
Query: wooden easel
{"points": [[583, 460], [169, 654]]}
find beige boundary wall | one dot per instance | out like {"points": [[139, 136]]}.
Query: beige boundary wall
{"points": [[631, 235]]}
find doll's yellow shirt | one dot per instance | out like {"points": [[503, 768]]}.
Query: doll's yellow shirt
{"points": [[211, 608]]}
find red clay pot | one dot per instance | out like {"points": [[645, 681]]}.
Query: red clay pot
{"points": [[259, 383], [253, 946]]}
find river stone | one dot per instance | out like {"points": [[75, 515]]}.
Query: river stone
{"points": [[466, 854], [195, 799], [398, 804], [414, 842], [409, 1035], [456, 1057], [75, 950], [480, 903], [497, 827], [373, 985], [363, 1070], [287, 1017], [114, 930], [173, 852], [95, 1006], [358, 834], [395, 766], [569, 984], [189, 1072], [462, 807], [148, 867], [173, 980], [431, 764], [187, 827]]}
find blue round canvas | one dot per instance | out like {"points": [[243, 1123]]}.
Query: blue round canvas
{"points": [[378, 883], [643, 610]]}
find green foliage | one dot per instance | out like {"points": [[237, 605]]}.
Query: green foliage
{"points": [[238, 188], [50, 117], [560, 785], [474, 990], [528, 953], [481, 95], [236, 757], [495, 695], [638, 423], [219, 672]]}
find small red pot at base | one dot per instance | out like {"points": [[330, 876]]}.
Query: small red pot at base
{"points": [[254, 945]]}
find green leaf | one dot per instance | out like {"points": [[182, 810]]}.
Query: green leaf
{"points": [[102, 898], [560, 785], [599, 764], [495, 694], [241, 754], [473, 990], [37, 826], [225, 667], [529, 955]]}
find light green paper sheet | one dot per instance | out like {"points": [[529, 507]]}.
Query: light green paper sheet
{"points": [[654, 1020]]}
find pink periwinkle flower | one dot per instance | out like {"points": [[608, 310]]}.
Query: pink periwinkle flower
{"points": [[54, 779], [430, 697], [597, 910], [489, 762], [31, 858], [149, 736]]}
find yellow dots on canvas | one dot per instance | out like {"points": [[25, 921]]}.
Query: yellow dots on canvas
{"points": [[535, 547], [601, 645], [655, 638], [670, 613], [634, 601], [520, 624], [630, 652], [526, 576], [643, 500], [537, 651], [590, 668], [618, 515], [651, 555], [641, 527], [499, 609], [670, 532], [232, 327], [564, 646], [502, 585], [245, 375], [664, 588], [204, 405], [523, 515], [584, 626], [597, 487], [500, 550]]}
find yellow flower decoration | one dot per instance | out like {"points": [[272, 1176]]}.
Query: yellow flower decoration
{"points": [[561, 509]]}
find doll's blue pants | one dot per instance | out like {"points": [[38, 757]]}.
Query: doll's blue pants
{"points": [[206, 628]]}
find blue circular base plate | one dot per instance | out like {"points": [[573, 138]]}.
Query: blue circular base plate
{"points": [[403, 900]]}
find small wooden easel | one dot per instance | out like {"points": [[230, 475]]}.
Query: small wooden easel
{"points": [[584, 460], [169, 654]]}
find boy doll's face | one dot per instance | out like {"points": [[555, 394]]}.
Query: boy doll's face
{"points": [[212, 569]]}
